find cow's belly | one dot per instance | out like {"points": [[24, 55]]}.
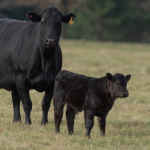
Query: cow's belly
{"points": [[40, 86], [7, 83], [41, 83]]}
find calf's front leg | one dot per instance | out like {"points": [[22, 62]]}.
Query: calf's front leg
{"points": [[102, 124], [89, 120]]}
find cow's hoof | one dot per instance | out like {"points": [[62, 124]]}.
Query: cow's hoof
{"points": [[28, 122], [44, 122]]}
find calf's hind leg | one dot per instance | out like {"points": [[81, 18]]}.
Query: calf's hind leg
{"points": [[70, 116], [58, 115], [16, 106], [59, 102]]}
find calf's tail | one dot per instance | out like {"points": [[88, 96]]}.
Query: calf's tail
{"points": [[59, 95]]}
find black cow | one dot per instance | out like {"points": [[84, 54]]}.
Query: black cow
{"points": [[30, 58], [95, 96]]}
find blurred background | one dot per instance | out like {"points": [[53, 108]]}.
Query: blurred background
{"points": [[92, 52], [105, 20]]}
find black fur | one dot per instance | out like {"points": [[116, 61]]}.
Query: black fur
{"points": [[95, 96], [30, 58]]}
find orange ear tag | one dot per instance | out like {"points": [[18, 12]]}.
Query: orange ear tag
{"points": [[30, 16], [71, 21]]}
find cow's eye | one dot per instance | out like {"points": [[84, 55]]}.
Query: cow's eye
{"points": [[117, 84]]}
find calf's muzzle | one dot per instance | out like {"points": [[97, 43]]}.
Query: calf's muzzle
{"points": [[125, 94]]}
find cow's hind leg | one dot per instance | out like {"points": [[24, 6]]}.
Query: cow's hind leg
{"points": [[24, 95], [70, 116], [16, 106]]}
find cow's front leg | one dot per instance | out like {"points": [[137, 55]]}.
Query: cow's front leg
{"points": [[102, 125], [26, 101], [16, 106], [46, 103]]}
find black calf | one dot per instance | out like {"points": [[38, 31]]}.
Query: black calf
{"points": [[95, 96]]}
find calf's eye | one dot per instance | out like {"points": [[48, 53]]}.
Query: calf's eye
{"points": [[117, 84], [43, 24], [59, 24]]}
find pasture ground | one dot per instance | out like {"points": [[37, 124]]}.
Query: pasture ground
{"points": [[128, 123]]}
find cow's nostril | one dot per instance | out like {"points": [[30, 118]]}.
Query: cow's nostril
{"points": [[54, 41], [47, 40]]}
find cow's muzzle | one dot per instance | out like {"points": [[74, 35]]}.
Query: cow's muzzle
{"points": [[50, 43]]}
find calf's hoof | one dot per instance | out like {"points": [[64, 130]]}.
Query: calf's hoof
{"points": [[17, 120], [102, 135], [71, 132], [87, 136], [57, 132]]}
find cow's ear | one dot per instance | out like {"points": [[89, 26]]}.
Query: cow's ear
{"points": [[128, 77], [68, 18], [109, 76], [34, 16]]}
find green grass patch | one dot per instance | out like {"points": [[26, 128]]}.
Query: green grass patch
{"points": [[128, 123]]}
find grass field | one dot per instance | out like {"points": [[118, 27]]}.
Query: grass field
{"points": [[128, 123]]}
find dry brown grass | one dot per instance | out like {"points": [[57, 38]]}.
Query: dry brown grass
{"points": [[128, 123]]}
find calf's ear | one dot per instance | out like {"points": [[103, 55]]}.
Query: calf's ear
{"points": [[109, 76], [34, 16], [68, 18], [128, 77]]}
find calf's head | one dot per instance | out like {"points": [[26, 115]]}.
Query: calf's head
{"points": [[118, 85], [50, 22]]}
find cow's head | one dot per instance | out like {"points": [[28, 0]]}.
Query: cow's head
{"points": [[118, 84], [50, 22]]}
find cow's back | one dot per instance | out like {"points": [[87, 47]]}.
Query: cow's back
{"points": [[17, 38]]}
